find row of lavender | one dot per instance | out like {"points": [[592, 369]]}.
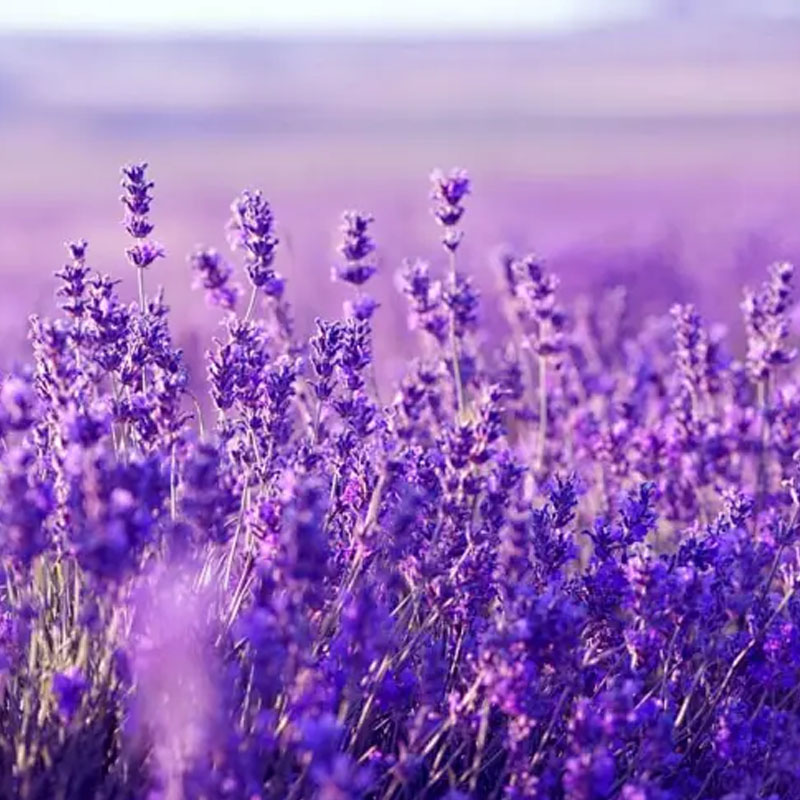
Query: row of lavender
{"points": [[560, 563]]}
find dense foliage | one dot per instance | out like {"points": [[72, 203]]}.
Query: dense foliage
{"points": [[561, 562]]}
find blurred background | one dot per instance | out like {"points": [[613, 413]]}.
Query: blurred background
{"points": [[644, 142]]}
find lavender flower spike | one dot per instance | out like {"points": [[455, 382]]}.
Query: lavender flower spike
{"points": [[356, 247], [449, 190], [448, 193], [137, 200], [251, 228], [213, 273], [74, 278], [766, 316]]}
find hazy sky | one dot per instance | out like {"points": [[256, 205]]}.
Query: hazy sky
{"points": [[265, 16], [317, 16]]}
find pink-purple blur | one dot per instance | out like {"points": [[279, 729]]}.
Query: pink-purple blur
{"points": [[662, 154]]}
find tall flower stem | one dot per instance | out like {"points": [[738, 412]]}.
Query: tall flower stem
{"points": [[142, 297], [762, 400], [542, 440], [143, 309], [252, 304], [454, 344]]}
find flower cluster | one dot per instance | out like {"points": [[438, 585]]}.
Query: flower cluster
{"points": [[561, 562]]}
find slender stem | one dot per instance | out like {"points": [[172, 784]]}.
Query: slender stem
{"points": [[317, 420], [237, 532], [252, 304], [540, 446], [173, 487], [241, 589], [143, 309], [762, 394], [684, 709], [76, 592], [199, 410], [142, 298], [480, 744], [454, 343], [123, 430]]}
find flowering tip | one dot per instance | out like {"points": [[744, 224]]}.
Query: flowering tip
{"points": [[143, 255]]}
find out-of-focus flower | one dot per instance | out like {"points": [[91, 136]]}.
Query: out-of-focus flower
{"points": [[213, 273], [69, 689], [27, 501], [766, 316], [356, 248], [425, 298]]}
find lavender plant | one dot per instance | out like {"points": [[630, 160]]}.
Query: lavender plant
{"points": [[562, 562]]}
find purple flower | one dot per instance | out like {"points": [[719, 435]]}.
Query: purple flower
{"points": [[113, 510], [448, 192], [69, 689], [767, 322], [27, 502], [326, 347], [143, 255], [108, 325], [335, 774], [235, 369], [86, 426], [212, 273], [137, 200], [74, 281], [356, 352], [251, 229], [462, 300], [355, 249], [425, 298], [137, 197], [304, 544], [589, 776], [279, 384], [18, 403], [538, 311], [208, 499], [362, 308]]}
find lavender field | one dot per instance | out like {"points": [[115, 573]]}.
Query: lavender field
{"points": [[330, 473]]}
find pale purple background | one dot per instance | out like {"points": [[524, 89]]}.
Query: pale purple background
{"points": [[661, 154]]}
